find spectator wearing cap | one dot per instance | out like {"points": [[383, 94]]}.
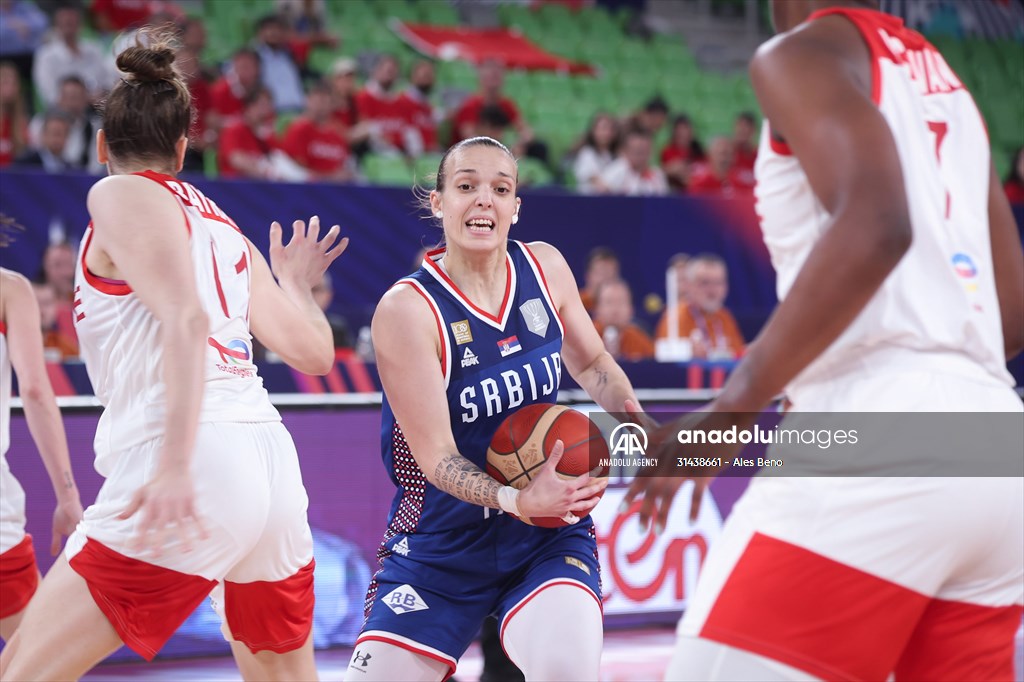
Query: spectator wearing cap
{"points": [[22, 28], [632, 173], [380, 108], [420, 112], [65, 54], [681, 153], [48, 152], [719, 174], [314, 143], [279, 68]]}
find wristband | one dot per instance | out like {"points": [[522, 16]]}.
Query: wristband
{"points": [[508, 500]]}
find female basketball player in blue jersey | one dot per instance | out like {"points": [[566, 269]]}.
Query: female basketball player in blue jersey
{"points": [[482, 328]]}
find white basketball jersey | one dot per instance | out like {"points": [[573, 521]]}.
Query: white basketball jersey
{"points": [[121, 344], [940, 301], [5, 393]]}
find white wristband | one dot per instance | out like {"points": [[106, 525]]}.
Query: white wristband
{"points": [[508, 500]]}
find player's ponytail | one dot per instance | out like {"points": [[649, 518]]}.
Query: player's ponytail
{"points": [[150, 108]]}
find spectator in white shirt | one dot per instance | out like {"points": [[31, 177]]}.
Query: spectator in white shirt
{"points": [[67, 54], [632, 173], [596, 153]]}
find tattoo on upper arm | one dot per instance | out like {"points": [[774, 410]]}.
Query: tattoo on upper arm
{"points": [[459, 477]]}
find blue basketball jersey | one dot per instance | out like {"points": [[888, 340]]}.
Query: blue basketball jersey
{"points": [[492, 366]]}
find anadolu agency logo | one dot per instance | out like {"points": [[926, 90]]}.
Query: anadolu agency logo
{"points": [[628, 440]]}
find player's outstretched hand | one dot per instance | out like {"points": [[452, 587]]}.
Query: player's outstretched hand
{"points": [[65, 517], [306, 257], [166, 504], [549, 495], [658, 483]]}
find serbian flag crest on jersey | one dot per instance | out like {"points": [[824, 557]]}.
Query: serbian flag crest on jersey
{"points": [[509, 346]]}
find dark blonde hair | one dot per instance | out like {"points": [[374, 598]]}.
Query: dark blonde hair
{"points": [[150, 108]]}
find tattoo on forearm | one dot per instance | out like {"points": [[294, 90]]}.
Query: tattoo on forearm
{"points": [[457, 476], [602, 377], [69, 482]]}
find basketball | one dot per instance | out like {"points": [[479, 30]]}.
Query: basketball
{"points": [[519, 448]]}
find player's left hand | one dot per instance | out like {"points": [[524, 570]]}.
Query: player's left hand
{"points": [[306, 257], [658, 483], [165, 503], [65, 517]]}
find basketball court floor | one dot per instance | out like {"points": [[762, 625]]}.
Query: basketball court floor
{"points": [[629, 656]]}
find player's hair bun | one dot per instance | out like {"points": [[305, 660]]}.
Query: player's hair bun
{"points": [[148, 64]]}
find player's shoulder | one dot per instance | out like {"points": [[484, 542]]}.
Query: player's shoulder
{"points": [[13, 286], [546, 255], [114, 187], [825, 38], [406, 299]]}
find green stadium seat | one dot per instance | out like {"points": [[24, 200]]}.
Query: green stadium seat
{"points": [[387, 170], [534, 173]]}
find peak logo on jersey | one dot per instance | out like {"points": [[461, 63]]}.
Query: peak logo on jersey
{"points": [[401, 547], [509, 346], [236, 352], [536, 316], [405, 599], [469, 359], [462, 332]]}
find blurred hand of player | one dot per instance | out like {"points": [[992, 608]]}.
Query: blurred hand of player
{"points": [[306, 257], [165, 504], [550, 495], [65, 517], [658, 483]]}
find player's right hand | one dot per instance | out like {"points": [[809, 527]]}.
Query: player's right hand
{"points": [[165, 504], [550, 495], [306, 257], [65, 518]]}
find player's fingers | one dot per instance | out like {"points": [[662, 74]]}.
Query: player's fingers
{"points": [[584, 507], [593, 488], [632, 407], [637, 487], [298, 232], [314, 228], [555, 456], [647, 507], [695, 499], [275, 234], [339, 249]]}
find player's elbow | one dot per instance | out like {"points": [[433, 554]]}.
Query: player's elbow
{"points": [[891, 238], [1013, 337], [316, 364]]}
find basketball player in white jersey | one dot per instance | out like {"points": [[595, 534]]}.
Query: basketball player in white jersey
{"points": [[203, 487], [901, 280], [21, 346]]}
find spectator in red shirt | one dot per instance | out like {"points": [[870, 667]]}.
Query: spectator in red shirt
{"points": [[743, 136], [380, 108], [313, 143], [13, 115], [242, 78], [719, 175], [1014, 185], [247, 144], [466, 121], [419, 110], [681, 153], [112, 16]]}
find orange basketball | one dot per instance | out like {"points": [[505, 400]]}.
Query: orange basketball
{"points": [[521, 445]]}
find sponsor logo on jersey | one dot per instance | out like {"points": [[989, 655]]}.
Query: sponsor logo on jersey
{"points": [[573, 561], [236, 352], [509, 346], [405, 599], [966, 270], [536, 316], [462, 332], [401, 547], [469, 359]]}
